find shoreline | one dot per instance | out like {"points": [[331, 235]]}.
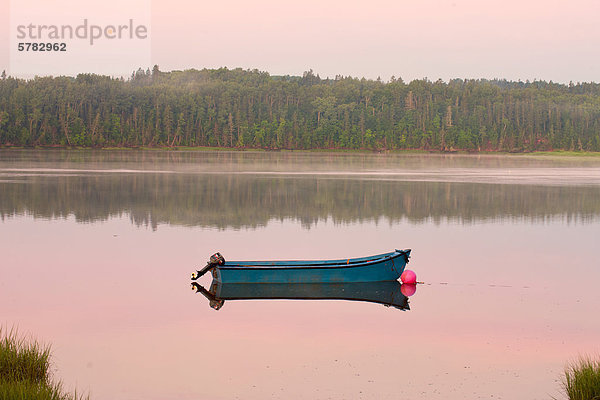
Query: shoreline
{"points": [[556, 153]]}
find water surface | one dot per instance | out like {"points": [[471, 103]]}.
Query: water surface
{"points": [[97, 248]]}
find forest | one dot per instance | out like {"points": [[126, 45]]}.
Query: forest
{"points": [[251, 109]]}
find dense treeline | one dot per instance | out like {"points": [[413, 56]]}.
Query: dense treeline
{"points": [[251, 109]]}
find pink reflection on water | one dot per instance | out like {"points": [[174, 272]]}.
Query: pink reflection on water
{"points": [[493, 319]]}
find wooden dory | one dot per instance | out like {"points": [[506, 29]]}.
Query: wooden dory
{"points": [[377, 268]]}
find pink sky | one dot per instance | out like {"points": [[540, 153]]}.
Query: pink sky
{"points": [[550, 40]]}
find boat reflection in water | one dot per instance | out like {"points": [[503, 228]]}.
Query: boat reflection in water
{"points": [[388, 293]]}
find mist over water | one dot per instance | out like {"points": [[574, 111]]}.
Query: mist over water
{"points": [[241, 190]]}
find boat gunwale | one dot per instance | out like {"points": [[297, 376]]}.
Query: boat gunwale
{"points": [[311, 262], [363, 262]]}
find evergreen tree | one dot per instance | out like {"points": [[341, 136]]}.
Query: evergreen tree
{"points": [[250, 108]]}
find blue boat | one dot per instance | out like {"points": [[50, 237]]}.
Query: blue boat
{"points": [[388, 293], [377, 268]]}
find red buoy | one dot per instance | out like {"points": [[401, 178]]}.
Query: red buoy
{"points": [[408, 276]]}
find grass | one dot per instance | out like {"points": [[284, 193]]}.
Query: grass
{"points": [[565, 153], [25, 370], [582, 379]]}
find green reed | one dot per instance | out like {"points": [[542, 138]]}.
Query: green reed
{"points": [[582, 379], [25, 370]]}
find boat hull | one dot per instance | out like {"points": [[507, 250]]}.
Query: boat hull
{"points": [[383, 267]]}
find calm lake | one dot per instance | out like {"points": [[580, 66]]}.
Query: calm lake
{"points": [[97, 248]]}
